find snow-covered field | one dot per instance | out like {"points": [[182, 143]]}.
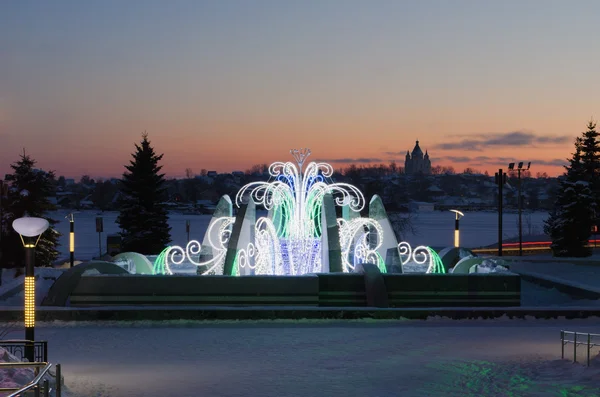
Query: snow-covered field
{"points": [[431, 358], [432, 228]]}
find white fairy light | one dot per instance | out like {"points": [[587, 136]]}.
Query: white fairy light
{"points": [[420, 255], [289, 241], [291, 244], [177, 255], [354, 237]]}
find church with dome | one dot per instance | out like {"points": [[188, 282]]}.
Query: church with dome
{"points": [[416, 162]]}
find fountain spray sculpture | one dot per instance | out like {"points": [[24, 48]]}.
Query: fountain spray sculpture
{"points": [[300, 234]]}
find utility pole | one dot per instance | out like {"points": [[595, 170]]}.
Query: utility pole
{"points": [[500, 181]]}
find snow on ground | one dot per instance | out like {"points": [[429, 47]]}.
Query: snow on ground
{"points": [[13, 377], [586, 276], [536, 295], [11, 290], [86, 238], [434, 228], [431, 358]]}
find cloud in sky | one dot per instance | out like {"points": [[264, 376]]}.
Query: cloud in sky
{"points": [[505, 139], [361, 160], [555, 162], [485, 160]]}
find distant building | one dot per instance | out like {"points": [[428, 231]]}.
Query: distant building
{"points": [[416, 162]]}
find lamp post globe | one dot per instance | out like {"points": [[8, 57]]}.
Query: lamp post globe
{"points": [[30, 226]]}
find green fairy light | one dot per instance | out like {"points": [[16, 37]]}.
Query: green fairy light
{"points": [[438, 265], [159, 262]]}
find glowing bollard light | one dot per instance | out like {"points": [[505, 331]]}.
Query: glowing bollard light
{"points": [[71, 217], [30, 230], [456, 229]]}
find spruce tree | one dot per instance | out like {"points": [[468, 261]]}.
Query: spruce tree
{"points": [[28, 195], [590, 158], [143, 217], [570, 222]]}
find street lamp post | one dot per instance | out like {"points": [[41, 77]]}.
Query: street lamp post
{"points": [[30, 230], [456, 229], [520, 168]]}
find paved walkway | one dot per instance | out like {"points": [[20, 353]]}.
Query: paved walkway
{"points": [[434, 358], [587, 277]]}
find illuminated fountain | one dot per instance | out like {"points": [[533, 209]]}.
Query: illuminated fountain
{"points": [[300, 234]]}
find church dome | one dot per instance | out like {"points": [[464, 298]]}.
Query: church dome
{"points": [[417, 150]]}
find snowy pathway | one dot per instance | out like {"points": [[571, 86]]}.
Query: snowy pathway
{"points": [[586, 276], [355, 358]]}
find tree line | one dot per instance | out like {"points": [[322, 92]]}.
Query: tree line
{"points": [[143, 217]]}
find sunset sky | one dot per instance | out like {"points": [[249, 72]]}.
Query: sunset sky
{"points": [[225, 84]]}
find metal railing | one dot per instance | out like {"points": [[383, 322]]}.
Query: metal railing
{"points": [[40, 386], [589, 340], [17, 348]]}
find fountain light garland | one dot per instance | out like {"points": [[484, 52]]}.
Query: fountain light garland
{"points": [[296, 199], [437, 264], [289, 240], [355, 243], [218, 234], [420, 255], [264, 255], [159, 263]]}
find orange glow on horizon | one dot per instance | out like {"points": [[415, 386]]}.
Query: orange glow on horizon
{"points": [[220, 147], [176, 169]]}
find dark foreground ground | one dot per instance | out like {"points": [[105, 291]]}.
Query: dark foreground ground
{"points": [[301, 358]]}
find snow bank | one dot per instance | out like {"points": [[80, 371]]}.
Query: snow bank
{"points": [[516, 377], [465, 253], [19, 377], [489, 266], [183, 323], [11, 291], [13, 377]]}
